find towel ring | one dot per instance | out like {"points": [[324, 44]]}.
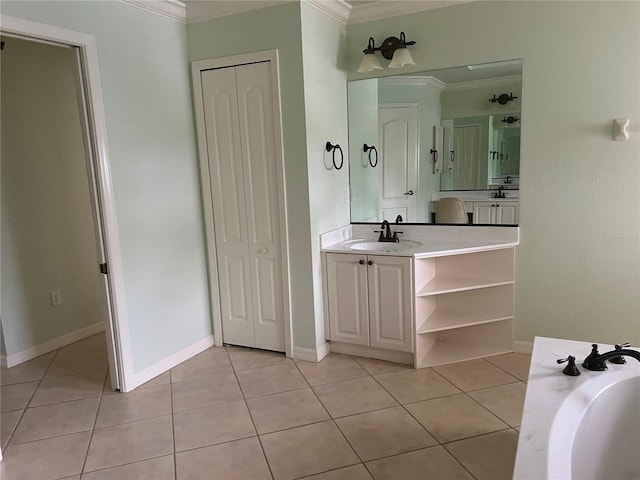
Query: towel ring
{"points": [[332, 149], [367, 148]]}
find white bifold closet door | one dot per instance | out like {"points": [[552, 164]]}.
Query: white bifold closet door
{"points": [[238, 109]]}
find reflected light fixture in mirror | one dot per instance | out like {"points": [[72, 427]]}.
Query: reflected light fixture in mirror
{"points": [[393, 48]]}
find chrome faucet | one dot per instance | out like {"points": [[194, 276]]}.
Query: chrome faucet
{"points": [[385, 234], [596, 361]]}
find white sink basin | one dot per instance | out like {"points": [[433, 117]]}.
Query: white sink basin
{"points": [[373, 246]]}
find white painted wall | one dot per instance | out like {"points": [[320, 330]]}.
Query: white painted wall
{"points": [[325, 97], [151, 141], [48, 238], [578, 264]]}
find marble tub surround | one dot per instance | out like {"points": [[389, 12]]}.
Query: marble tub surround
{"points": [[549, 393], [434, 240], [206, 419]]}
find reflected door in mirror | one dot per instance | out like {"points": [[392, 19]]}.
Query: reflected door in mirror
{"points": [[398, 135]]}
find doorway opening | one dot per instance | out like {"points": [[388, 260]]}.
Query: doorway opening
{"points": [[61, 271]]}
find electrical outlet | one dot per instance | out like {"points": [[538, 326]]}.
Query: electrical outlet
{"points": [[56, 298]]}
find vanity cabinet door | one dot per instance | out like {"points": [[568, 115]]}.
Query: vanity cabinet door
{"points": [[348, 298], [484, 213], [508, 214], [390, 305]]}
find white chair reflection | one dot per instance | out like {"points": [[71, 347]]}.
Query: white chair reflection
{"points": [[451, 210]]}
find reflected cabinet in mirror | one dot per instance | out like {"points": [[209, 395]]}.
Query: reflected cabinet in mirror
{"points": [[453, 133]]}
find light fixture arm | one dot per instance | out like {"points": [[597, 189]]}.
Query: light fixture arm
{"points": [[389, 46]]}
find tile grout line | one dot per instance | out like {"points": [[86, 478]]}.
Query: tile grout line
{"points": [[173, 430], [244, 399], [24, 411], [331, 417], [95, 420]]}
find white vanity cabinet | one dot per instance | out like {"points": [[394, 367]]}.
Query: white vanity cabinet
{"points": [[495, 213], [369, 300], [432, 307]]}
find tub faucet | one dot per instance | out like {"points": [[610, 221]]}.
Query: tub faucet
{"points": [[596, 361]]}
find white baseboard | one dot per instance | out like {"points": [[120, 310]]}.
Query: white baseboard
{"points": [[372, 352], [311, 354], [522, 347], [53, 344], [170, 362]]}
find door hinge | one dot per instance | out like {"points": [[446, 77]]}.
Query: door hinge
{"points": [[103, 268]]}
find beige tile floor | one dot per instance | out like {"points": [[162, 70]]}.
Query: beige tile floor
{"points": [[235, 413]]}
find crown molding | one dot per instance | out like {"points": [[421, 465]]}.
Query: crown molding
{"points": [[200, 11], [172, 9], [337, 9], [384, 9], [421, 80], [488, 82]]}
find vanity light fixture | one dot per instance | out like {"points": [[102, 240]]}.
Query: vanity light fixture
{"points": [[393, 48], [502, 99], [510, 120]]}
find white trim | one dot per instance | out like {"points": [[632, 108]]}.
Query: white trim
{"points": [[196, 68], [522, 347], [337, 9], [168, 363], [368, 12], [487, 82], [118, 340], [419, 80], [366, 351], [172, 9], [53, 344], [311, 354]]}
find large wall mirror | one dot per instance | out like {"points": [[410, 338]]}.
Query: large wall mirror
{"points": [[418, 138]]}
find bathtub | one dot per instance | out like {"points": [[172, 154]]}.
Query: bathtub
{"points": [[579, 428]]}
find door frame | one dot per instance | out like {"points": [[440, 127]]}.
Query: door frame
{"points": [[214, 292], [104, 209]]}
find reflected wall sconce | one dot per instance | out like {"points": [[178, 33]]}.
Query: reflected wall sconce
{"points": [[502, 99], [370, 148], [393, 48], [510, 120]]}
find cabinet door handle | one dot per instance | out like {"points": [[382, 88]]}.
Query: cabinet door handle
{"points": [[370, 262], [361, 262]]}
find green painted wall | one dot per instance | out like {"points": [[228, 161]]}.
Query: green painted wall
{"points": [[265, 29], [578, 264], [363, 129], [151, 140], [325, 94]]}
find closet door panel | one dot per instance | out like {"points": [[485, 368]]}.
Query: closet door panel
{"points": [[255, 103], [226, 176]]}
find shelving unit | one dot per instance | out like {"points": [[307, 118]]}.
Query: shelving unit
{"points": [[463, 306]]}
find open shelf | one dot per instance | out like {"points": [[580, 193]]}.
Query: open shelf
{"points": [[468, 343], [451, 319], [463, 306], [464, 272], [442, 284]]}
